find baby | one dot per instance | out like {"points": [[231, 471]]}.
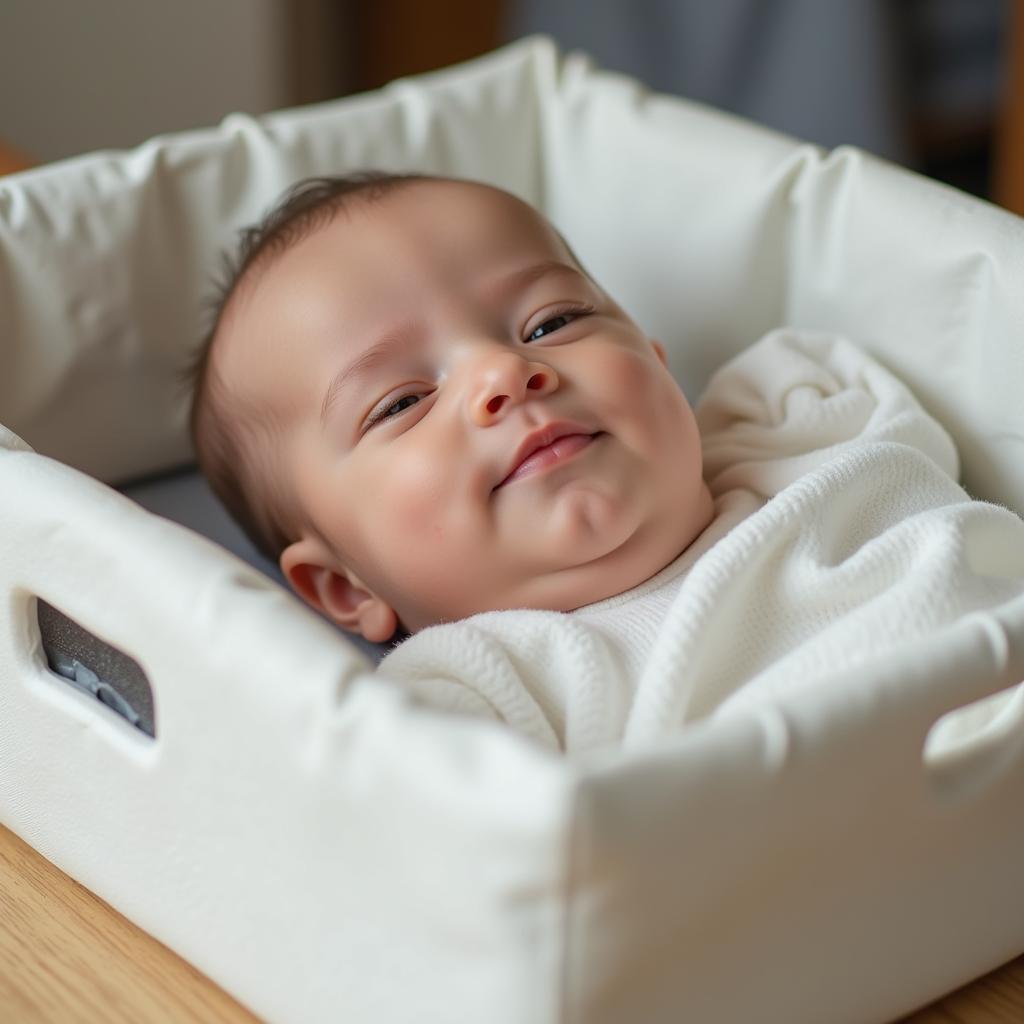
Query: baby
{"points": [[418, 402], [416, 399]]}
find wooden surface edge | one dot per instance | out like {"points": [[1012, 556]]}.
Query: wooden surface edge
{"points": [[66, 956]]}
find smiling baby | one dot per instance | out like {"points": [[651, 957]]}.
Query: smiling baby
{"points": [[417, 400]]}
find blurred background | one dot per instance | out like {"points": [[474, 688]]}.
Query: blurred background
{"points": [[937, 85]]}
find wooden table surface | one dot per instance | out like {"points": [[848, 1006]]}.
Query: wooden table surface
{"points": [[66, 957]]}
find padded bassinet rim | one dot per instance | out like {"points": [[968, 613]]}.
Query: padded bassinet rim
{"points": [[572, 930]]}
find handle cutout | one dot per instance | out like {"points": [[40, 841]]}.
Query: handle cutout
{"points": [[970, 747], [92, 666]]}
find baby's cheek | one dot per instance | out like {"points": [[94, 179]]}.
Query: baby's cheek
{"points": [[440, 539], [415, 500], [423, 515], [633, 387]]}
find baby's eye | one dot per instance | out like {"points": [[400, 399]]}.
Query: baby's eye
{"points": [[558, 321], [394, 408], [554, 324]]}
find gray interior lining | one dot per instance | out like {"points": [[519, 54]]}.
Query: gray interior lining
{"points": [[185, 497], [95, 668]]}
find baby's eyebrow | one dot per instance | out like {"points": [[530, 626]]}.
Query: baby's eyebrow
{"points": [[528, 275], [362, 366]]}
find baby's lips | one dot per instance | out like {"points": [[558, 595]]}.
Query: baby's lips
{"points": [[546, 446], [557, 451]]}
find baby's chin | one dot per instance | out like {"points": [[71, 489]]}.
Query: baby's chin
{"points": [[589, 547], [606, 551], [598, 552], [589, 518]]}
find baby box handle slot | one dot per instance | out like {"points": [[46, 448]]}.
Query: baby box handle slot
{"points": [[93, 667], [975, 681], [972, 746]]}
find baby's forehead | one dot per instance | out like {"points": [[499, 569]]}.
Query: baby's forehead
{"points": [[465, 214], [438, 209], [477, 227]]}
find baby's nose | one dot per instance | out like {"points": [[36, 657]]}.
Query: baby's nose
{"points": [[504, 381]]}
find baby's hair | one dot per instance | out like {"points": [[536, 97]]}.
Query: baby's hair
{"points": [[231, 438]]}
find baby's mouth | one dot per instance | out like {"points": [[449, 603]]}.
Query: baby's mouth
{"points": [[539, 454]]}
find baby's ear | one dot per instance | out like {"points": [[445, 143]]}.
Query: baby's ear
{"points": [[660, 349], [333, 590]]}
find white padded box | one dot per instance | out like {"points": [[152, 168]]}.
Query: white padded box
{"points": [[327, 851]]}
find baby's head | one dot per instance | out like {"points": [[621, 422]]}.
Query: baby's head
{"points": [[415, 399]]}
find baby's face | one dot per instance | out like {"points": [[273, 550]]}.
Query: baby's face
{"points": [[467, 420]]}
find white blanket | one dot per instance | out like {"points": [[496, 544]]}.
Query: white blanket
{"points": [[841, 536]]}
